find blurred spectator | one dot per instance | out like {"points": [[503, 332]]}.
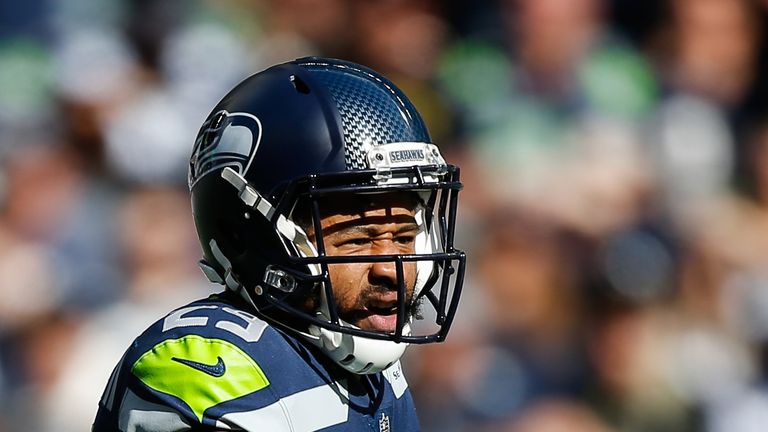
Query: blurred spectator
{"points": [[631, 390], [27, 83], [530, 344], [554, 110], [404, 40], [51, 207], [558, 416], [711, 48], [35, 356], [302, 27], [707, 57], [158, 254]]}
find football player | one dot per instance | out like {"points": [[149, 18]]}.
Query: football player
{"points": [[328, 215]]}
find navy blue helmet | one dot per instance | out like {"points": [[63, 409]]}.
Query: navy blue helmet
{"points": [[269, 154]]}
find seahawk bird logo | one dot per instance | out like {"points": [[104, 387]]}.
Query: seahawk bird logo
{"points": [[225, 140]]}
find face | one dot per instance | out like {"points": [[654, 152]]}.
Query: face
{"points": [[366, 293]]}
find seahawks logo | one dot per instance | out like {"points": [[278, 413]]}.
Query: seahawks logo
{"points": [[225, 140]]}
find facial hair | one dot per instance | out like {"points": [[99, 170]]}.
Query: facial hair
{"points": [[354, 313]]}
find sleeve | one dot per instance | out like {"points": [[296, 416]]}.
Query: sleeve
{"points": [[194, 374], [187, 372]]}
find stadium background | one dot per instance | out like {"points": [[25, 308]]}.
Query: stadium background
{"points": [[615, 156]]}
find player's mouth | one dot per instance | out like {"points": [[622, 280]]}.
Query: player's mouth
{"points": [[379, 314]]}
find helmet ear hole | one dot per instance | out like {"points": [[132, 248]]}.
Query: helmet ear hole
{"points": [[299, 84]]}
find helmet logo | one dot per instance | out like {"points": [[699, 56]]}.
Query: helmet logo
{"points": [[225, 140]]}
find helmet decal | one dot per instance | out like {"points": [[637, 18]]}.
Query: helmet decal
{"points": [[226, 140]]}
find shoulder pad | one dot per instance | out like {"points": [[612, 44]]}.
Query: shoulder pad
{"points": [[202, 372]]}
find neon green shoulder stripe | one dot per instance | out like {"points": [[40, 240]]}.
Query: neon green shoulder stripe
{"points": [[202, 372]]}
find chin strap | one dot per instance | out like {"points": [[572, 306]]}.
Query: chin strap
{"points": [[357, 354], [213, 275], [287, 228], [229, 279], [231, 283], [247, 194]]}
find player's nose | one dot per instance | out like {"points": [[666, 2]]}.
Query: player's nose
{"points": [[384, 273]]}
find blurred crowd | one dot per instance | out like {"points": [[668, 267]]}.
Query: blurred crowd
{"points": [[615, 210]]}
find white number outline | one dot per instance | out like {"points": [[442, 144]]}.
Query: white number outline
{"points": [[251, 332]]}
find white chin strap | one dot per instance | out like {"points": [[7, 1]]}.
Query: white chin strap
{"points": [[356, 354]]}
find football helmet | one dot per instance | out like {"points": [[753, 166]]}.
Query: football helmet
{"points": [[281, 143]]}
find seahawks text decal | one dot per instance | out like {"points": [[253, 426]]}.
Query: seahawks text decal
{"points": [[407, 155], [225, 140]]}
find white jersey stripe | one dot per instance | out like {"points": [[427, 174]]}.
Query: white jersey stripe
{"points": [[138, 415], [305, 411]]}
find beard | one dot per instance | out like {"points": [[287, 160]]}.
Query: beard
{"points": [[370, 293]]}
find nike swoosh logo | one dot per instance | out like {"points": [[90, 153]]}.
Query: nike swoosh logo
{"points": [[215, 370]]}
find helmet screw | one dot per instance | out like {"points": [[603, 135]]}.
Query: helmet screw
{"points": [[258, 290], [379, 157], [247, 215]]}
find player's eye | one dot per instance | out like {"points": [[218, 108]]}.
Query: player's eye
{"points": [[356, 241], [405, 239]]}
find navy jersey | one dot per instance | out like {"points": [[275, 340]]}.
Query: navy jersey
{"points": [[212, 366]]}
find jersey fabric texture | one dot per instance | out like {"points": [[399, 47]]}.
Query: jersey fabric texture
{"points": [[212, 366]]}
